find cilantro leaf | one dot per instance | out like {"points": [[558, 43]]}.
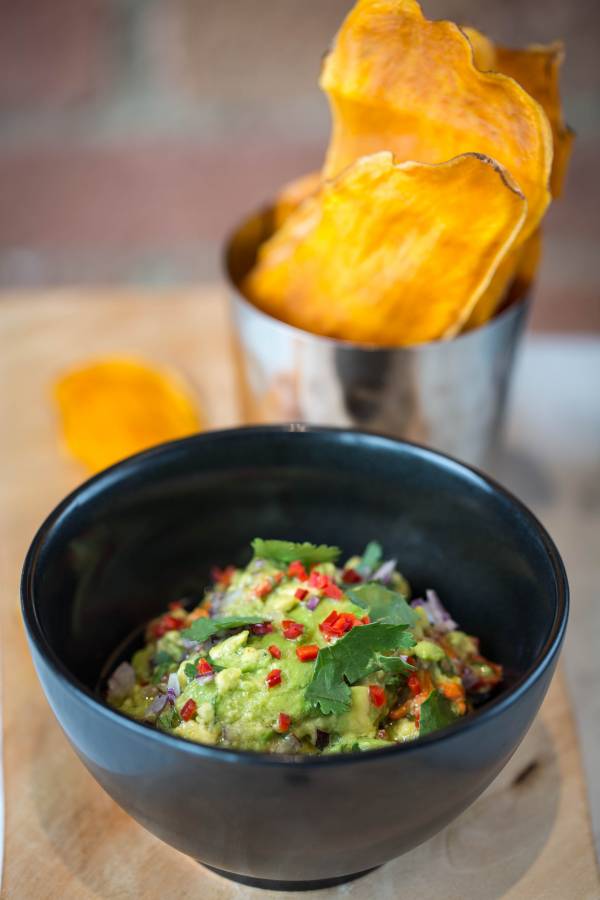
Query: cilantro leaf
{"points": [[162, 664], [286, 552], [202, 629], [371, 558], [436, 713], [383, 605], [393, 665], [190, 670], [349, 660]]}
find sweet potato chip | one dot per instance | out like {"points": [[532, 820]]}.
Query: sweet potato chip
{"points": [[292, 194], [113, 407], [399, 82], [390, 253], [537, 70]]}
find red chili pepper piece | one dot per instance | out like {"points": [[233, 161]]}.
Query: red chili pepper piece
{"points": [[273, 678], [265, 587], [188, 710], [275, 651], [291, 630], [351, 576], [318, 580], [376, 695], [307, 652], [301, 593], [343, 623], [332, 590], [167, 623], [203, 667], [222, 576], [297, 570], [366, 620], [262, 628], [414, 685], [284, 723]]}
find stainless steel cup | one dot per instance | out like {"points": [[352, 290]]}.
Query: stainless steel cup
{"points": [[448, 394]]}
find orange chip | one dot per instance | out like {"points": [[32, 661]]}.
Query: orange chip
{"points": [[399, 82], [391, 253], [537, 70], [292, 194], [113, 407]]}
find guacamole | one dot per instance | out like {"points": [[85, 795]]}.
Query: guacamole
{"points": [[297, 654]]}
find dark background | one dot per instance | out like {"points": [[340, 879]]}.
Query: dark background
{"points": [[134, 133]]}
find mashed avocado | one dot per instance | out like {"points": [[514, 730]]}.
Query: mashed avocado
{"points": [[296, 654]]}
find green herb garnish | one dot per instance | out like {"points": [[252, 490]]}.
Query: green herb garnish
{"points": [[202, 629], [163, 663], [436, 713], [372, 556], [349, 660], [170, 718], [190, 670], [383, 605], [286, 552]]}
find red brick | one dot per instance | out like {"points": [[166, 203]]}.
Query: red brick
{"points": [[141, 195], [52, 52]]}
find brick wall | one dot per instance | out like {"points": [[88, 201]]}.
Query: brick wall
{"points": [[134, 133]]}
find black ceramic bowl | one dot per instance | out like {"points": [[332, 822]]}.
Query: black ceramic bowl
{"points": [[125, 543]]}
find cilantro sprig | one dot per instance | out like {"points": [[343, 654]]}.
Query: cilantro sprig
{"points": [[286, 552], [372, 556], [436, 713], [202, 629], [353, 657], [383, 605]]}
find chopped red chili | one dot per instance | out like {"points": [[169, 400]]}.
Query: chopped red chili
{"points": [[306, 652], [265, 587], [167, 623], [284, 723], [301, 593], [291, 630], [275, 651], [297, 570], [343, 623], [318, 580], [203, 667], [414, 685], [222, 576], [366, 620], [376, 695], [273, 678], [188, 710], [351, 576], [333, 591]]}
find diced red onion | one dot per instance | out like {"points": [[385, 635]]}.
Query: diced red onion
{"points": [[157, 705], [173, 689], [469, 678], [442, 619], [121, 681], [313, 602], [385, 571], [190, 646], [201, 679]]}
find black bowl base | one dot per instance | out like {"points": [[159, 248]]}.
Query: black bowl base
{"points": [[271, 885]]}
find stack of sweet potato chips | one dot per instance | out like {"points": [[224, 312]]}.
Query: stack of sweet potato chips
{"points": [[444, 154]]}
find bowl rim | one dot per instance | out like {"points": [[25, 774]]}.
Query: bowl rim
{"points": [[120, 472]]}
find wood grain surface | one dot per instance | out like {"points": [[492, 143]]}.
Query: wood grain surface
{"points": [[527, 837]]}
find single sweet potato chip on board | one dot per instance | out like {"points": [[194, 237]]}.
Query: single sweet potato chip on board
{"points": [[399, 82], [111, 408], [391, 253]]}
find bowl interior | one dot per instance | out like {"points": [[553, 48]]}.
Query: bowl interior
{"points": [[149, 530]]}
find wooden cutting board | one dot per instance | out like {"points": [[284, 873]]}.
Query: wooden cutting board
{"points": [[527, 837]]}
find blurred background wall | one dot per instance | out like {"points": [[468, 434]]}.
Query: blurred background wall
{"points": [[134, 133]]}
